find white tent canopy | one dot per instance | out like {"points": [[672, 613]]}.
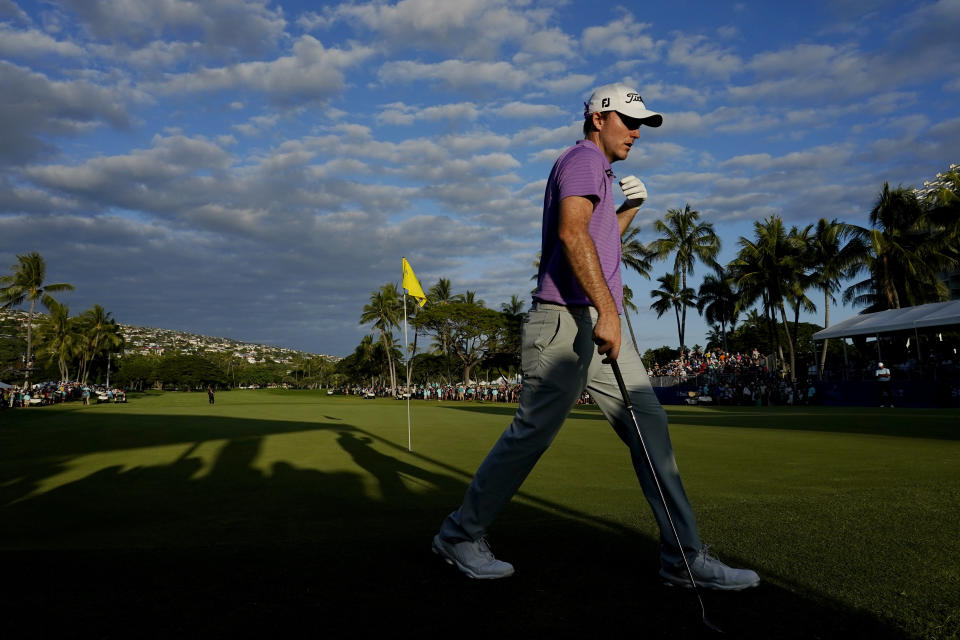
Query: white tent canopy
{"points": [[936, 314]]}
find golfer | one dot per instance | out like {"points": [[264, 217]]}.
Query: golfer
{"points": [[882, 374], [570, 335]]}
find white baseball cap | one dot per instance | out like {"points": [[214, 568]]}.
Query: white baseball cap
{"points": [[622, 99]]}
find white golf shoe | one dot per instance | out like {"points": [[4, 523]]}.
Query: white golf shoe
{"points": [[710, 573], [473, 558]]}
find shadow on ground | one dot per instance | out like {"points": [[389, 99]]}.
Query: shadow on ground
{"points": [[164, 551]]}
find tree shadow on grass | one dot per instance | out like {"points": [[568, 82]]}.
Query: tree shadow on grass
{"points": [[182, 548]]}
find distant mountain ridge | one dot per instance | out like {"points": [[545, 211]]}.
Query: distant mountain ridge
{"points": [[156, 341]]}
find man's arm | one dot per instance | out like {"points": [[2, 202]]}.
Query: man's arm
{"points": [[581, 253], [625, 215]]}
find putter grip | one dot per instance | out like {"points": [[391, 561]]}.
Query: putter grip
{"points": [[623, 387]]}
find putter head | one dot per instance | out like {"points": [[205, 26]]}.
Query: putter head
{"points": [[711, 626]]}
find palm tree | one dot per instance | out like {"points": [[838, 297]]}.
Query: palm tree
{"points": [[442, 293], [689, 240], [637, 256], [800, 243], [364, 356], [470, 297], [384, 312], [100, 333], [628, 306], [717, 297], [754, 319], [833, 257], [769, 268], [57, 338], [715, 336], [514, 307], [671, 295], [904, 251], [27, 283]]}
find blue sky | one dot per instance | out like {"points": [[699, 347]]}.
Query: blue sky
{"points": [[256, 169]]}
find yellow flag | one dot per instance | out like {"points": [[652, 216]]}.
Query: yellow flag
{"points": [[411, 284]]}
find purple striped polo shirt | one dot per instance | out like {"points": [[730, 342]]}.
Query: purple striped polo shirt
{"points": [[582, 170]]}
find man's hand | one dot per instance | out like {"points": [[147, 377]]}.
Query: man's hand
{"points": [[634, 191], [606, 335]]}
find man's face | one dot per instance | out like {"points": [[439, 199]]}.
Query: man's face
{"points": [[617, 135]]}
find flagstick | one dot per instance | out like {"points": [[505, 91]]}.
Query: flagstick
{"points": [[405, 348]]}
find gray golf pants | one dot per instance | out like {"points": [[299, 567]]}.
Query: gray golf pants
{"points": [[560, 360]]}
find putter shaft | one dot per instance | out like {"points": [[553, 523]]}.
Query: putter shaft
{"points": [[643, 445]]}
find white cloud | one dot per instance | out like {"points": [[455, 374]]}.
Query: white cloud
{"points": [[312, 21], [472, 142], [528, 110], [654, 92], [34, 106], [701, 56], [469, 28], [549, 43], [312, 73], [624, 37], [647, 155], [920, 47], [456, 74], [540, 136], [728, 32], [800, 60], [155, 55], [571, 82], [169, 158], [257, 124], [247, 25], [817, 158], [10, 8], [404, 114], [496, 161], [32, 43]]}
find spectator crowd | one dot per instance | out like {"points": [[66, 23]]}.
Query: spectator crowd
{"points": [[743, 379], [479, 392], [50, 393]]}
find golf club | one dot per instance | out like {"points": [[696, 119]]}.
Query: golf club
{"points": [[663, 500]]}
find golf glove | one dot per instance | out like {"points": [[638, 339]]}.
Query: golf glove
{"points": [[633, 190]]}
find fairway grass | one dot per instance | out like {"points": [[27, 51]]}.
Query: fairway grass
{"points": [[270, 509]]}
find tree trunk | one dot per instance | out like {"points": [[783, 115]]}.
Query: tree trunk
{"points": [[723, 332], [393, 373], [410, 361], [683, 311], [796, 320], [893, 299], [676, 312], [26, 370], [826, 323], [786, 328], [630, 327], [774, 334]]}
